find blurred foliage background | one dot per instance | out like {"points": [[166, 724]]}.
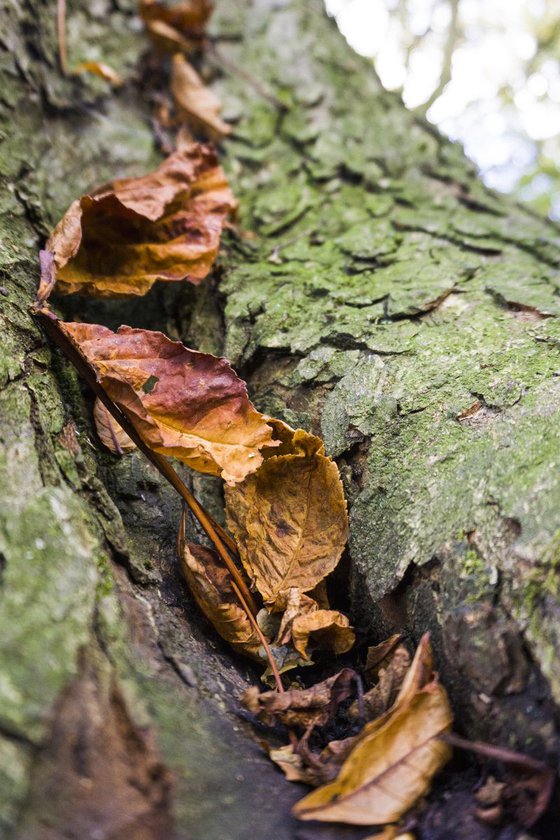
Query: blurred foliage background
{"points": [[486, 72]]}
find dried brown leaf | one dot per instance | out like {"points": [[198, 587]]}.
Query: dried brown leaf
{"points": [[395, 758], [180, 25], [195, 102], [182, 403], [299, 764], [110, 433], [302, 708], [322, 630], [289, 519], [305, 623], [391, 676], [377, 655], [211, 586], [120, 239]]}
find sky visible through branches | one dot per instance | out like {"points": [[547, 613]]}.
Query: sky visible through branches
{"points": [[487, 72]]}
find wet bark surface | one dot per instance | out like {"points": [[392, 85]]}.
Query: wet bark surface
{"points": [[385, 300]]}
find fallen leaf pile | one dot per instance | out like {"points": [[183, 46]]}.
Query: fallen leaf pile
{"points": [[262, 584]]}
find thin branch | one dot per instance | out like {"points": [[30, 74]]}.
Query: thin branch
{"points": [[61, 32], [453, 33], [219, 538]]}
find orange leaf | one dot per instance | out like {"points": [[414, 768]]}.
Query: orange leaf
{"points": [[289, 519], [195, 102], [395, 757], [120, 239], [180, 25], [210, 584], [183, 403], [99, 68], [110, 433]]}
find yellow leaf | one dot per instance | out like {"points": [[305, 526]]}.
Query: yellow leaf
{"points": [[304, 622], [99, 68], [289, 519], [110, 433], [176, 24], [323, 630], [395, 759], [182, 403], [120, 239], [210, 584], [196, 103]]}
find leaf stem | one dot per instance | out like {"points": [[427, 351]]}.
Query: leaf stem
{"points": [[219, 538]]}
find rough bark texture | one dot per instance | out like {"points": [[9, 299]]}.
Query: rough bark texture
{"points": [[388, 302]]}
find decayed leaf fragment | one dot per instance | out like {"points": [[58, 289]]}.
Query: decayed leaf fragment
{"points": [[395, 757], [304, 707], [176, 25], [210, 584], [110, 433], [120, 239], [289, 519], [195, 102], [183, 403], [299, 764]]}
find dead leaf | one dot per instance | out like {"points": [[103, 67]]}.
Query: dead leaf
{"points": [[299, 764], [395, 757], [322, 630], [180, 25], [391, 832], [183, 403], [302, 708], [110, 433], [210, 583], [289, 519], [120, 239], [377, 655], [303, 623], [99, 68], [195, 102], [391, 675]]}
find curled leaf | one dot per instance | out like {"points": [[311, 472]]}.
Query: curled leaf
{"points": [[395, 758], [195, 102], [210, 584], [304, 621], [289, 519], [299, 764], [303, 708], [176, 25], [110, 433], [183, 403], [120, 239], [391, 675]]}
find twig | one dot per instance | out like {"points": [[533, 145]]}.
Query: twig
{"points": [[61, 32], [219, 538], [503, 754]]}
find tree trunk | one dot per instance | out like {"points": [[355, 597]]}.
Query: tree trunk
{"points": [[386, 301]]}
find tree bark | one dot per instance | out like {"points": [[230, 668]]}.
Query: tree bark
{"points": [[387, 301]]}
